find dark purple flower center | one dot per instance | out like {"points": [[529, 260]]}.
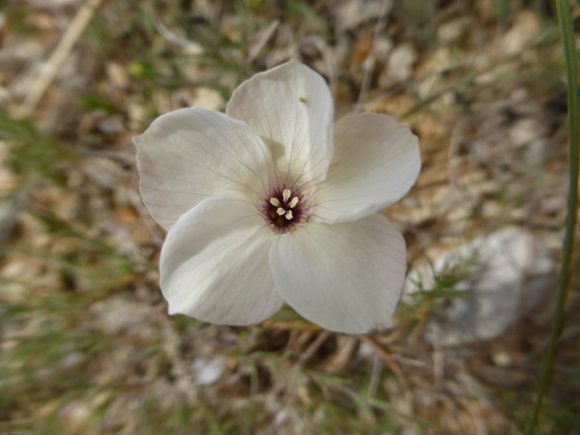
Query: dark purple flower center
{"points": [[284, 208]]}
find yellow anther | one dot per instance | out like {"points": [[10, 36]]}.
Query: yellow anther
{"points": [[286, 194], [294, 202]]}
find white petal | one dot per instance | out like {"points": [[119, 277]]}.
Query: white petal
{"points": [[345, 277], [290, 108], [214, 265], [189, 154], [376, 161]]}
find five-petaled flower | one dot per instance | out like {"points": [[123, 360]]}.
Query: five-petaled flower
{"points": [[271, 202]]}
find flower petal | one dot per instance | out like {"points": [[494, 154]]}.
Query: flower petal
{"points": [[214, 264], [290, 108], [189, 154], [346, 277], [376, 161]]}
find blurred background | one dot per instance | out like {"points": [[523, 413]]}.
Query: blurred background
{"points": [[86, 345]]}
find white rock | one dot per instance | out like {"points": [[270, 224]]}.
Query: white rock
{"points": [[352, 13], [525, 29], [207, 371], [119, 314], [382, 47], [208, 98], [400, 64], [452, 30], [504, 275], [525, 130]]}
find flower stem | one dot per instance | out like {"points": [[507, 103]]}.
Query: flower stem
{"points": [[570, 62]]}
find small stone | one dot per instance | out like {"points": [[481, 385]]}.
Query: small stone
{"points": [[208, 98], [111, 125], [501, 359], [526, 29], [451, 31], [399, 65], [106, 173], [525, 130], [119, 314], [352, 13], [117, 75], [207, 371], [137, 114], [382, 47]]}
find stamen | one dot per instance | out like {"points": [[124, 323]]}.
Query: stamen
{"points": [[284, 208], [294, 202], [286, 194]]}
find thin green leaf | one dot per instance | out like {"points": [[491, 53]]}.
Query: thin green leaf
{"points": [[570, 61]]}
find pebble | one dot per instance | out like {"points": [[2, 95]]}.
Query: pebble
{"points": [[382, 47], [352, 13], [451, 31], [207, 371], [525, 30], [118, 314], [525, 130], [399, 65]]}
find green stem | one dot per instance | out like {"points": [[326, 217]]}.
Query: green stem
{"points": [[572, 204]]}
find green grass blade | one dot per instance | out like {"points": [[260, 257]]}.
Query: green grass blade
{"points": [[570, 62]]}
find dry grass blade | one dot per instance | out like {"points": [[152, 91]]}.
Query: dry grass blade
{"points": [[50, 68]]}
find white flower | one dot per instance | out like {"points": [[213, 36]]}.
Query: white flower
{"points": [[272, 203]]}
